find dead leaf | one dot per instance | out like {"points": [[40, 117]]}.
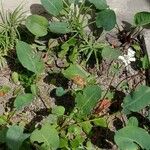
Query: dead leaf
{"points": [[2, 94], [103, 105], [79, 80]]}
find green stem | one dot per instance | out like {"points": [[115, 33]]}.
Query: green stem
{"points": [[88, 24]]}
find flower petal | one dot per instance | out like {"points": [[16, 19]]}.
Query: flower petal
{"points": [[131, 52]]}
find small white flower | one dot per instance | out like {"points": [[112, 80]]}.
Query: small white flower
{"points": [[130, 57]]}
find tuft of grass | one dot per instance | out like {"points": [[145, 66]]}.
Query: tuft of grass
{"points": [[9, 34]]}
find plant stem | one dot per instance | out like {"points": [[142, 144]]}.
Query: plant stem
{"points": [[130, 77], [109, 86], [89, 24]]}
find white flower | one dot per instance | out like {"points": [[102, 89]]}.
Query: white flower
{"points": [[130, 57]]}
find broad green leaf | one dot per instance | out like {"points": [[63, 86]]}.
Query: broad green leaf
{"points": [[15, 137], [58, 110], [75, 70], [23, 101], [59, 27], [28, 58], [132, 122], [54, 7], [47, 136], [60, 91], [110, 53], [127, 138], [99, 4], [106, 19], [37, 25], [87, 100], [137, 100], [142, 18]]}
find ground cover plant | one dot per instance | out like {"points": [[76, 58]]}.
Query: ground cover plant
{"points": [[66, 86]]}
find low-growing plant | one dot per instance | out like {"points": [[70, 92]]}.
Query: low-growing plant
{"points": [[73, 19], [64, 128], [9, 33]]}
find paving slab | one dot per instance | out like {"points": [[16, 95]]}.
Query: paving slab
{"points": [[126, 9]]}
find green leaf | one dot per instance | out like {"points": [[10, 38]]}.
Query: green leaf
{"points": [[99, 4], [37, 25], [3, 133], [106, 19], [34, 89], [28, 58], [127, 138], [59, 27], [145, 62], [15, 137], [63, 143], [23, 100], [60, 91], [110, 53], [137, 100], [102, 122], [15, 78], [54, 7], [87, 126], [3, 120], [58, 110], [51, 119], [142, 18], [47, 136], [75, 70], [132, 122], [87, 100]]}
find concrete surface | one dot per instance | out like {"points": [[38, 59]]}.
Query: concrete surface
{"points": [[125, 9], [146, 36]]}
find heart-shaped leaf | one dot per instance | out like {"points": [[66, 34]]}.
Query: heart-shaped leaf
{"points": [[106, 19]]}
